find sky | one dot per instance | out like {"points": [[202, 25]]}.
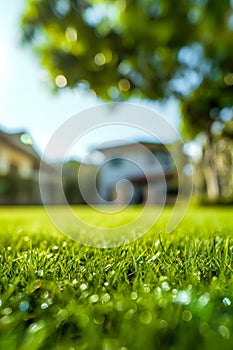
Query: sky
{"points": [[26, 103]]}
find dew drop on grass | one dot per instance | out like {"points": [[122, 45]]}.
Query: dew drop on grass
{"points": [[146, 288], [187, 315], [0, 302], [120, 306], [154, 257], [44, 306], [183, 297], [203, 300], [224, 331], [105, 298], [226, 301], [134, 295], [93, 298], [5, 320], [24, 306], [129, 314], [7, 311], [145, 317], [75, 281], [163, 324], [98, 319], [36, 326], [83, 286], [36, 285], [165, 286], [163, 302], [158, 291], [84, 295]]}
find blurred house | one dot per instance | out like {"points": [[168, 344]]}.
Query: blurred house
{"points": [[148, 167], [19, 171], [127, 173]]}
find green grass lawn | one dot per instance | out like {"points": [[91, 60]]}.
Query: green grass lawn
{"points": [[163, 291]]}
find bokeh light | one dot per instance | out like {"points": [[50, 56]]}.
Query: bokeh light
{"points": [[60, 81]]}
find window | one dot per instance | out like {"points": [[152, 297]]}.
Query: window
{"points": [[13, 169], [116, 162], [163, 158]]}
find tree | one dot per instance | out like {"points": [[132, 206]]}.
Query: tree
{"points": [[144, 48], [204, 110]]}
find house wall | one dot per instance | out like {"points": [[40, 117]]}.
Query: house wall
{"points": [[138, 163], [19, 175], [12, 158]]}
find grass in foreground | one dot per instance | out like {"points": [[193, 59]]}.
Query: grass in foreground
{"points": [[163, 291]]}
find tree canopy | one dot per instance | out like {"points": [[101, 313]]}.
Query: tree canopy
{"points": [[146, 48]]}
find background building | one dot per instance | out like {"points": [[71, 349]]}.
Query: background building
{"points": [[19, 171], [148, 167]]}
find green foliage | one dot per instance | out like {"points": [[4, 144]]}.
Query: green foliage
{"points": [[205, 106], [124, 48], [161, 292]]}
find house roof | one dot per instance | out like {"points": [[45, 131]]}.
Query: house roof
{"points": [[120, 144], [20, 141]]}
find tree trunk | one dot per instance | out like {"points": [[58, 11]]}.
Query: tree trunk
{"points": [[209, 169]]}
